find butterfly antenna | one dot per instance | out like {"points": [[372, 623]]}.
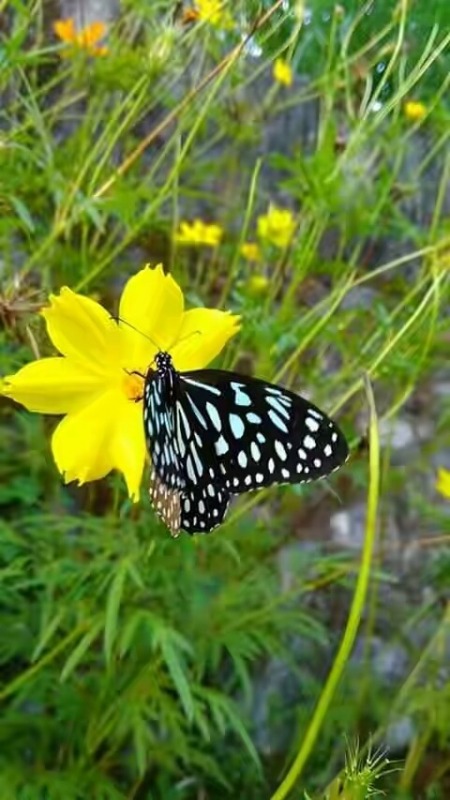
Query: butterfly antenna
{"points": [[145, 335], [188, 336]]}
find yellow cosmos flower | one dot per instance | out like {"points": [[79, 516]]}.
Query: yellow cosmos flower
{"points": [[277, 226], [87, 38], [91, 382], [414, 111], [214, 12], [282, 72], [251, 251], [199, 233], [257, 285], [443, 482]]}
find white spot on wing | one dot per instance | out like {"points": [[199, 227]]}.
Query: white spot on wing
{"points": [[241, 398], [312, 424], [255, 451], [221, 447], [277, 421], [214, 416], [242, 459], [205, 386], [280, 451], [276, 404], [236, 425]]}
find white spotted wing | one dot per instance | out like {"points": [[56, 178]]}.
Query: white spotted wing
{"points": [[212, 434]]}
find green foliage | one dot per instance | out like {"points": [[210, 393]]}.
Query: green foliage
{"points": [[129, 663]]}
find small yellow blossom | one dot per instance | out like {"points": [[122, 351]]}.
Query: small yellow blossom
{"points": [[93, 383], [198, 233], [86, 38], [277, 226], [414, 110], [282, 72], [251, 251], [443, 482], [214, 12], [257, 285]]}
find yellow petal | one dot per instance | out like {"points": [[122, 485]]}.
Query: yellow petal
{"points": [[203, 334], [153, 303], [443, 482], [282, 72], [105, 435], [92, 34], [128, 445], [53, 386], [83, 330], [65, 30]]}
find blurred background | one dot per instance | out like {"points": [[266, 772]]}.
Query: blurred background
{"points": [[289, 162]]}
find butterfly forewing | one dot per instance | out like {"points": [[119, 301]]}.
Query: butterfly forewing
{"points": [[212, 434], [263, 434]]}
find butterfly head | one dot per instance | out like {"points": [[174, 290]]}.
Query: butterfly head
{"points": [[163, 362]]}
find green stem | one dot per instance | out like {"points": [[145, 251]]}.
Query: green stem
{"points": [[354, 618]]}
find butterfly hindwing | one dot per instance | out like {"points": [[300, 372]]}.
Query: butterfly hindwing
{"points": [[203, 508]]}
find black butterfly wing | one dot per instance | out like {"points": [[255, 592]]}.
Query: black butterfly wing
{"points": [[160, 427], [185, 489], [203, 507], [258, 434], [212, 433]]}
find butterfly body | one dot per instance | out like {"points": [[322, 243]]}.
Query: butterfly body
{"points": [[212, 434]]}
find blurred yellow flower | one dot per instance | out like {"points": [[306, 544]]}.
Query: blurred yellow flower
{"points": [[87, 38], [92, 381], [251, 251], [257, 284], [277, 226], [214, 12], [198, 232], [443, 482], [282, 72], [414, 110]]}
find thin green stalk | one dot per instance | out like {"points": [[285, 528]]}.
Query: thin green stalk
{"points": [[355, 615], [232, 272]]}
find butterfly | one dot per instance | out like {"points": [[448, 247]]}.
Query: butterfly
{"points": [[212, 434]]}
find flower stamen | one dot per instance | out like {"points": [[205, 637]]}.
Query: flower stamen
{"points": [[133, 386]]}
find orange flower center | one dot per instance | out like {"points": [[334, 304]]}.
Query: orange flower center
{"points": [[133, 386]]}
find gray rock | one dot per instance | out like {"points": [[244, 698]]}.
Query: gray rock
{"points": [[399, 735], [387, 661], [405, 437], [348, 528], [86, 11], [360, 297]]}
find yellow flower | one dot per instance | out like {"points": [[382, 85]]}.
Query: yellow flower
{"points": [[198, 232], [92, 382], [414, 111], [277, 226], [213, 11], [443, 482], [282, 72], [87, 38], [251, 251], [257, 285]]}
